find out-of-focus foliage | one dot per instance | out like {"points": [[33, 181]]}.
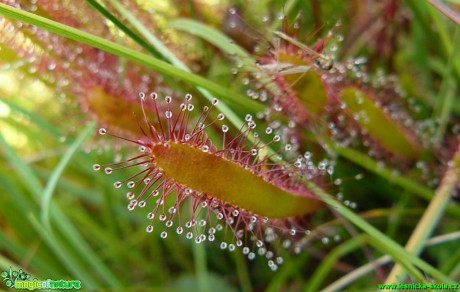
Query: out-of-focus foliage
{"points": [[388, 165]]}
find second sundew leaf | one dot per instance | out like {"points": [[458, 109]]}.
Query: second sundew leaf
{"points": [[116, 111], [8, 55], [229, 182], [378, 124], [308, 86]]}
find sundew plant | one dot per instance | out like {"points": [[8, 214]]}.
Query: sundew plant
{"points": [[241, 146]]}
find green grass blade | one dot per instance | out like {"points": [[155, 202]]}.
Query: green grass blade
{"points": [[243, 273], [383, 242], [448, 43], [154, 41], [119, 50], [19, 251], [199, 255], [54, 178], [83, 249], [369, 164], [360, 272], [15, 192], [67, 258], [287, 270], [209, 34], [34, 118], [328, 262], [448, 90], [68, 230], [124, 28], [431, 216], [406, 183], [6, 264], [151, 38], [419, 8], [27, 174]]}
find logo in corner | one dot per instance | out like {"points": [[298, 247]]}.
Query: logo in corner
{"points": [[22, 281], [10, 277]]}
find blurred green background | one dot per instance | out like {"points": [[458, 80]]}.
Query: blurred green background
{"points": [[61, 220]]}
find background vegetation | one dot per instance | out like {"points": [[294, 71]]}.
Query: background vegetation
{"points": [[59, 219]]}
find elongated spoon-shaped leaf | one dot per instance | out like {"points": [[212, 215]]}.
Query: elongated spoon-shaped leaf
{"points": [[229, 182], [113, 110], [307, 86], [379, 125]]}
